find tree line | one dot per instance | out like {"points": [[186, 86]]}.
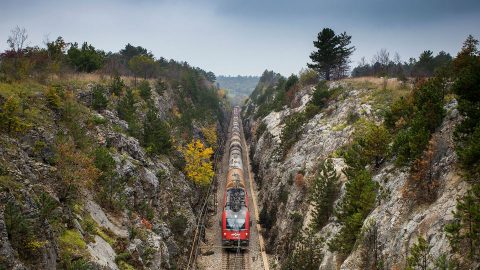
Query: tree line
{"points": [[60, 57]]}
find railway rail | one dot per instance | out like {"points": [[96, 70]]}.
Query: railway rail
{"points": [[236, 260]]}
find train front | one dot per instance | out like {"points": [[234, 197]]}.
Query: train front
{"points": [[235, 219]]}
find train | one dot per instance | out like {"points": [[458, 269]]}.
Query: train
{"points": [[235, 221]]}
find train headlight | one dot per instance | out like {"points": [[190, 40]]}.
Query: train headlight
{"points": [[224, 234], [246, 234]]}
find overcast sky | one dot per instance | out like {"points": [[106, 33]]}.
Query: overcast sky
{"points": [[245, 37]]}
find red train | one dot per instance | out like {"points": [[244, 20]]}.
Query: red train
{"points": [[235, 215]]}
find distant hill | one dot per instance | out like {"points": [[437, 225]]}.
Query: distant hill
{"points": [[239, 87]]}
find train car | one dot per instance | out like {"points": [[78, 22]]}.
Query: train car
{"points": [[235, 222], [235, 219]]}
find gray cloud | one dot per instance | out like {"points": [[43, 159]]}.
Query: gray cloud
{"points": [[245, 37]]}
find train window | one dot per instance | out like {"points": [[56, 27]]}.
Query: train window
{"points": [[235, 224]]}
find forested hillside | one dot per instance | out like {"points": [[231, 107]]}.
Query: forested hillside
{"points": [[95, 155], [370, 172], [239, 87]]}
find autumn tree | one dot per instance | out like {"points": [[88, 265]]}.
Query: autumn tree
{"points": [[210, 134], [332, 52], [199, 167], [75, 169]]}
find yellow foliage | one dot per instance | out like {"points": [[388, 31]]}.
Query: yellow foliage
{"points": [[210, 133], [222, 93], [72, 243], [35, 244], [199, 167], [10, 120]]}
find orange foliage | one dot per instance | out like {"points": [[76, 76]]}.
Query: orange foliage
{"points": [[75, 169], [147, 223], [422, 184], [299, 180]]}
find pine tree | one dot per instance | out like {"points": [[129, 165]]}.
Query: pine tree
{"points": [[323, 194], [145, 90], [306, 253], [99, 100], [358, 201], [156, 137], [464, 231], [419, 257], [332, 52]]}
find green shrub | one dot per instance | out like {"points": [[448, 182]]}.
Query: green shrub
{"points": [[178, 224], [117, 85], [127, 111], [468, 151], [410, 142], [156, 135], [374, 140], [267, 218], [308, 77], [415, 118], [111, 188], [99, 99], [283, 195], [19, 229], [145, 90], [53, 99], [320, 95], [10, 120], [306, 254], [46, 205], [160, 86], [419, 257], [292, 130], [71, 246]]}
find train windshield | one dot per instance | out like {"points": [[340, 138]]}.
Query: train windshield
{"points": [[236, 220]]}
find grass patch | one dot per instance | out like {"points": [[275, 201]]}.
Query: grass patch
{"points": [[339, 127]]}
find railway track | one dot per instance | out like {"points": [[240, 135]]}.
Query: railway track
{"points": [[235, 260]]}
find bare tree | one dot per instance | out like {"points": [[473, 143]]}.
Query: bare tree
{"points": [[362, 62], [382, 57], [396, 58], [18, 37]]}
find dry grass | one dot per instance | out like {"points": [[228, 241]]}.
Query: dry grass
{"points": [[382, 91], [380, 83], [85, 78]]}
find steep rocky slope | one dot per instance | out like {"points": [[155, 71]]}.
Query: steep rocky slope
{"points": [[285, 178], [142, 218]]}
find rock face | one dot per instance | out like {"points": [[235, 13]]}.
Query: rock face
{"points": [[151, 231], [399, 221]]}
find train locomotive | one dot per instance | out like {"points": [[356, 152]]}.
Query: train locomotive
{"points": [[235, 220]]}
